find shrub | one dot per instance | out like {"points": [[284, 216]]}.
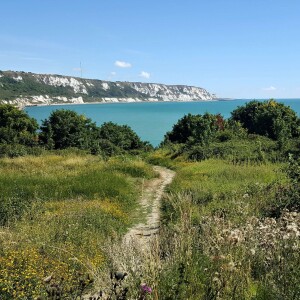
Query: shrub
{"points": [[268, 118], [195, 129], [16, 127], [121, 136], [65, 129]]}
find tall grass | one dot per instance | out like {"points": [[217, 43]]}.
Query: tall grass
{"points": [[218, 185], [219, 244], [58, 210]]}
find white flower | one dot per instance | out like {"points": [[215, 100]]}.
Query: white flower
{"points": [[252, 251]]}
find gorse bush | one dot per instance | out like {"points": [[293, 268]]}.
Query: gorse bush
{"points": [[65, 129], [238, 151], [287, 195], [122, 136]]}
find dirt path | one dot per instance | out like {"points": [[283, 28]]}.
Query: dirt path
{"points": [[150, 201], [139, 237]]}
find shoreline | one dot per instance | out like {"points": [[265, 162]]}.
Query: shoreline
{"points": [[121, 102], [159, 101]]}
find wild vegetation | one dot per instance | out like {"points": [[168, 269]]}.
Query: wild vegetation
{"points": [[63, 129], [230, 221], [56, 209]]}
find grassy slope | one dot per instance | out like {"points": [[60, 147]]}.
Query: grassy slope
{"points": [[217, 185], [58, 210], [216, 243], [219, 244]]}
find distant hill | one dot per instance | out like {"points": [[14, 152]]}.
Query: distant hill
{"points": [[25, 89]]}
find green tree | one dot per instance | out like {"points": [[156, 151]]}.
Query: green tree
{"points": [[195, 129], [122, 136], [66, 128], [269, 118], [16, 127]]}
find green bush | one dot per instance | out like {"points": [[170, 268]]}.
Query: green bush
{"points": [[195, 129], [12, 150], [16, 127], [65, 128], [121, 136], [238, 151], [268, 118]]}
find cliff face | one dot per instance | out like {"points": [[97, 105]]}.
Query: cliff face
{"points": [[24, 89]]}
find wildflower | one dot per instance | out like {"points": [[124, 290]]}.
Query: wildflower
{"points": [[216, 281], [235, 236], [146, 289], [48, 279], [231, 266]]}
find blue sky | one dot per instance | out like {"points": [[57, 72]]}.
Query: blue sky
{"points": [[234, 48]]}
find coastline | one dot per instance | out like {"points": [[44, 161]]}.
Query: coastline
{"points": [[158, 101], [123, 102]]}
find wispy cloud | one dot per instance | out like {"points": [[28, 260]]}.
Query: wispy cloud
{"points": [[122, 64], [145, 74], [270, 89], [111, 75]]}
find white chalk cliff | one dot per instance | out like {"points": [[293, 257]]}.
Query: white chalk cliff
{"points": [[24, 89]]}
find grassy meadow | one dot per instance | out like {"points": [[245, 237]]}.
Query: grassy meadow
{"points": [[63, 215], [220, 240], [56, 212]]}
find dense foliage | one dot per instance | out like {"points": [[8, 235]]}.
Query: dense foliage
{"points": [[268, 118], [16, 127], [196, 129], [256, 132], [121, 136], [66, 128], [62, 130]]}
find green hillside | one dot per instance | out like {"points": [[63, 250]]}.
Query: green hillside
{"points": [[30, 85]]}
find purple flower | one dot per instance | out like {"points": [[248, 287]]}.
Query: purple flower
{"points": [[146, 289]]}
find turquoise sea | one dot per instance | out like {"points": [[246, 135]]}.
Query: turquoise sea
{"points": [[150, 120]]}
